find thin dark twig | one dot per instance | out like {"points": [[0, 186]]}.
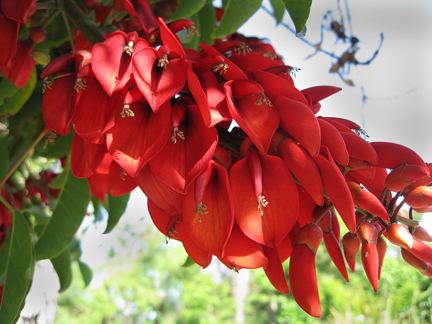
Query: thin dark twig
{"points": [[374, 55]]}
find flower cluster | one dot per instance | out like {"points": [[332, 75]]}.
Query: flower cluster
{"points": [[236, 162]]}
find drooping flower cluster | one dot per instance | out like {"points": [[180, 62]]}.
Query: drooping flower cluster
{"points": [[256, 193]]}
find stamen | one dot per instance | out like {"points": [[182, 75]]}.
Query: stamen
{"points": [[220, 68], [242, 49], [163, 61], [123, 175], [193, 31], [177, 133], [263, 99], [80, 84], [46, 84], [201, 210], [127, 111], [270, 55], [128, 49], [261, 203]]}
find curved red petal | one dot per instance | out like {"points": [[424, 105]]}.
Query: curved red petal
{"points": [[298, 120], [334, 141], [274, 270]]}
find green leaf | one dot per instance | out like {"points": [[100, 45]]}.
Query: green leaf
{"points": [[115, 207], [299, 12], [4, 160], [278, 10], [187, 8], [7, 90], [207, 21], [62, 265], [86, 272], [237, 12], [19, 270], [188, 262], [13, 104], [66, 219], [57, 148]]}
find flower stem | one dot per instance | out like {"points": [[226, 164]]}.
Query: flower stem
{"points": [[69, 30], [21, 159]]}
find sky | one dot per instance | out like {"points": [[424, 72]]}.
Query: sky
{"points": [[397, 84]]}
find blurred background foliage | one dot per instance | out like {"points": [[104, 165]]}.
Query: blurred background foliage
{"points": [[152, 290]]}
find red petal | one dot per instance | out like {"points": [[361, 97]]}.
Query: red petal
{"points": [[359, 149], [351, 245], [331, 240], [258, 119], [164, 197], [298, 120], [370, 260], [401, 177], [241, 252], [420, 197], [9, 38], [368, 201], [169, 39], [110, 64], [183, 159], [375, 184], [18, 10], [276, 86], [85, 157], [382, 248], [391, 155], [274, 270], [332, 138], [266, 217], [302, 165], [133, 141], [209, 219], [337, 190], [58, 104], [158, 85], [303, 280], [94, 114], [20, 66], [165, 222], [318, 93]]}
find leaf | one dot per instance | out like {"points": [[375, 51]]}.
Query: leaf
{"points": [[7, 90], [4, 160], [13, 104], [191, 40], [115, 207], [299, 12], [278, 10], [207, 22], [19, 270], [237, 12], [56, 149], [62, 265], [66, 219], [86, 272], [188, 262], [60, 181], [187, 8]]}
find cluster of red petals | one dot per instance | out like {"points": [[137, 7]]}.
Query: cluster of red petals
{"points": [[157, 115], [16, 61]]}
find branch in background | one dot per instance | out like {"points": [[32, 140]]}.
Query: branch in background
{"points": [[337, 26]]}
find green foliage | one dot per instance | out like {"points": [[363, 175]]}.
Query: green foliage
{"points": [[62, 265], [187, 8], [12, 104], [86, 272], [278, 9], [115, 207], [237, 12], [18, 265], [4, 160], [68, 214], [207, 21], [153, 290], [299, 12]]}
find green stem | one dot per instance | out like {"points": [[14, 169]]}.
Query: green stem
{"points": [[50, 19], [6, 203], [69, 30]]}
